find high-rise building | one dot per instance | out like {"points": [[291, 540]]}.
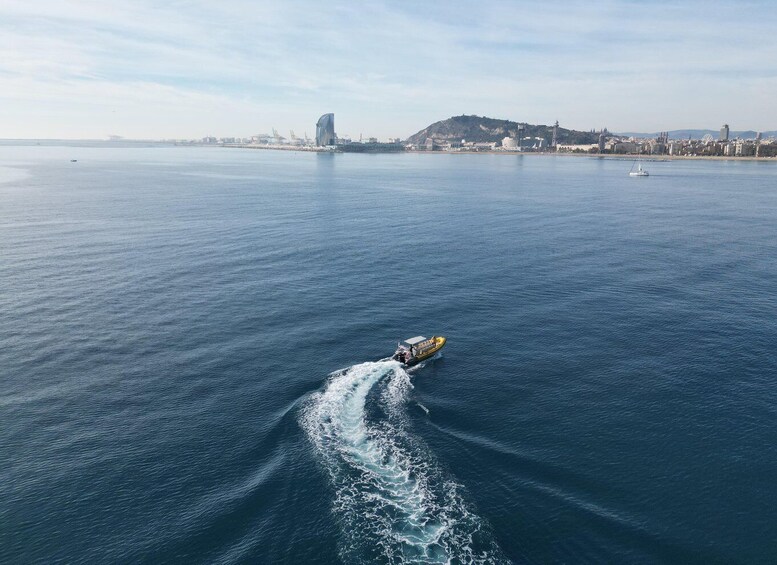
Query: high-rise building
{"points": [[602, 144], [325, 130], [723, 133], [554, 141]]}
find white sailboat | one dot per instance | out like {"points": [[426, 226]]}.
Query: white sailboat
{"points": [[640, 172]]}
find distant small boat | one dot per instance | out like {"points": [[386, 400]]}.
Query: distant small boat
{"points": [[74, 160], [416, 349], [640, 172]]}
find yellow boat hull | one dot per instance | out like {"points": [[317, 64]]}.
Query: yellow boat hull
{"points": [[439, 343]]}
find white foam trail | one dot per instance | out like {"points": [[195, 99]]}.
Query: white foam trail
{"points": [[392, 501]]}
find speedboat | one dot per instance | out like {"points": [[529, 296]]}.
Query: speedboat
{"points": [[416, 349]]}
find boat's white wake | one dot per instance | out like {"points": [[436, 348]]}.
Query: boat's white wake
{"points": [[393, 502]]}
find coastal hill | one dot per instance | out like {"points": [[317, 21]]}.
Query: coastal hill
{"points": [[484, 130]]}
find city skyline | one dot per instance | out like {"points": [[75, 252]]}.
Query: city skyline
{"points": [[84, 69]]}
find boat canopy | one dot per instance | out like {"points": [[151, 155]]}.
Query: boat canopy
{"points": [[415, 340]]}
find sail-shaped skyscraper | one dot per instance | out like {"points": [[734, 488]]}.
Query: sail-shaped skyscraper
{"points": [[325, 130]]}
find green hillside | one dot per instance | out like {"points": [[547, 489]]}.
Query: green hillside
{"points": [[482, 129]]}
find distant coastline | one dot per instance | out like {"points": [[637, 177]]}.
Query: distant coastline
{"points": [[128, 144], [602, 156], [626, 157]]}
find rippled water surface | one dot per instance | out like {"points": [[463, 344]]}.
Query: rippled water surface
{"points": [[193, 344]]}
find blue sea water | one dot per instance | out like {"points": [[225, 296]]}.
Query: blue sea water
{"points": [[193, 344]]}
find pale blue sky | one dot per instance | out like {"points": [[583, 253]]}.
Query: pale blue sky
{"points": [[146, 69]]}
